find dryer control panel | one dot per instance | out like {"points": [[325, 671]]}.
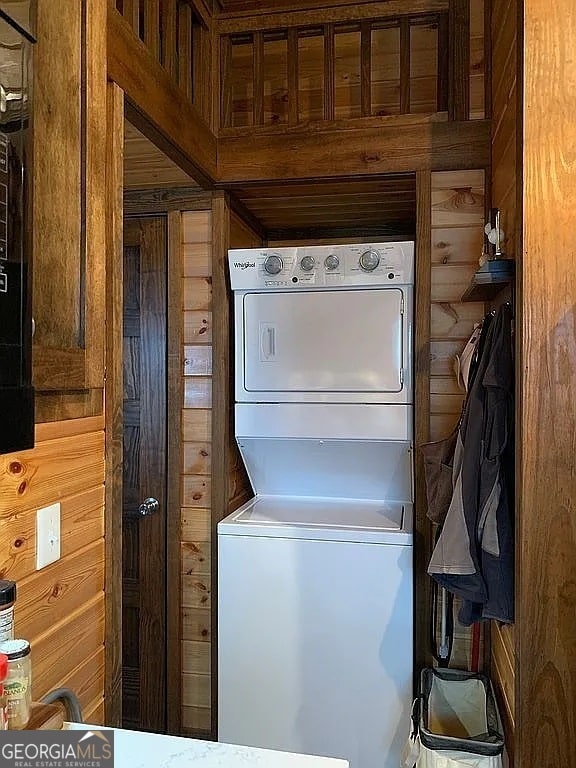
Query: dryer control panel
{"points": [[323, 266]]}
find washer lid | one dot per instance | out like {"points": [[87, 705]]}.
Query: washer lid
{"points": [[329, 519]]}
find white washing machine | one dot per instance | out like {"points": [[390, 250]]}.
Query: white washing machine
{"points": [[315, 573]]}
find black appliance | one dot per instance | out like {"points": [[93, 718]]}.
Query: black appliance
{"points": [[16, 392]]}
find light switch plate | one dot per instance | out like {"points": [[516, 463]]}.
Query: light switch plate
{"points": [[47, 536]]}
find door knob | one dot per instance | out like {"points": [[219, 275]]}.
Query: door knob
{"points": [[148, 507]]}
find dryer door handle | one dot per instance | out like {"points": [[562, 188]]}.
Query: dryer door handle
{"points": [[267, 342]]}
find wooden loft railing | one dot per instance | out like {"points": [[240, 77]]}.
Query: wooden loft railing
{"points": [[177, 34]]}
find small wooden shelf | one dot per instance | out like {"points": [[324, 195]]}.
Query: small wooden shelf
{"points": [[480, 290]]}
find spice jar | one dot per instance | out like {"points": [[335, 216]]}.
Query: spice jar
{"points": [[7, 600], [3, 706], [18, 683]]}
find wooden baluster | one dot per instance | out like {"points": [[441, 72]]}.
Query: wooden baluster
{"points": [[293, 84], [169, 24], [405, 66], [225, 84], [185, 49], [131, 13], [258, 103], [459, 70], [152, 26], [443, 45], [328, 72], [366, 68]]}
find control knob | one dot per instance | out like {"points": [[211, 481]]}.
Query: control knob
{"points": [[307, 263], [369, 260], [331, 262], [273, 264]]}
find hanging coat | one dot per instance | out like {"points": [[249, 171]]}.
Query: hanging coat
{"points": [[474, 554]]}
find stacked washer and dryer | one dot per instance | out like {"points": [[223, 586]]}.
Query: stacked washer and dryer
{"points": [[315, 605]]}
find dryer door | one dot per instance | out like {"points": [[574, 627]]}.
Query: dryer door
{"points": [[324, 344]]}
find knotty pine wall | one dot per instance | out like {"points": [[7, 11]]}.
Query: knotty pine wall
{"points": [[458, 200], [196, 571], [60, 609]]}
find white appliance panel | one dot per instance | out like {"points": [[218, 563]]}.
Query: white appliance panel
{"points": [[324, 341], [315, 647], [361, 521], [346, 469]]}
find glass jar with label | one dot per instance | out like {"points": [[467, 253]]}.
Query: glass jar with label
{"points": [[3, 706], [18, 683], [7, 600]]}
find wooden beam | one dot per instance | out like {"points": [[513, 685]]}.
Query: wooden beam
{"points": [[329, 64], [185, 49], [443, 64], [394, 147], [156, 106], [258, 49], [221, 404], [169, 26], [328, 15], [173, 464], [152, 27], [114, 400], [366, 68], [293, 77], [459, 69], [422, 528], [405, 66]]}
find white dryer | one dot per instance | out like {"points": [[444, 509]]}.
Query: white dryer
{"points": [[315, 573]]}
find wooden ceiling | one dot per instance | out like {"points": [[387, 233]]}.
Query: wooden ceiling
{"points": [[147, 167], [385, 206]]}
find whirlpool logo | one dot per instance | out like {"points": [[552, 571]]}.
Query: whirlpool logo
{"points": [[245, 265]]}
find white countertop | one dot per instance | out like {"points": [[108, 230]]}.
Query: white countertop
{"points": [[134, 749]]}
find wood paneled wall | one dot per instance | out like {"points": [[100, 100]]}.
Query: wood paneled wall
{"points": [[196, 468], [458, 200], [60, 609]]}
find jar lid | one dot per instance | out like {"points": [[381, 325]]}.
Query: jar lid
{"points": [[3, 667], [15, 649], [7, 592]]}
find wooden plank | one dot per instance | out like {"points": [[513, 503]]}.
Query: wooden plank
{"points": [[87, 679], [546, 416], [195, 524], [422, 399], [55, 430], [46, 717], [450, 281], [174, 339], [58, 652], [185, 49], [197, 226], [197, 293], [196, 719], [293, 77], [197, 424], [196, 559], [169, 26], [197, 259], [196, 691], [196, 491], [328, 72], [82, 523], [327, 15], [404, 66], [459, 75], [152, 26], [196, 458], [160, 111], [258, 53], [196, 595], [197, 328], [53, 470], [457, 245], [225, 82], [164, 199], [197, 360], [47, 595], [95, 712], [198, 392], [442, 357], [196, 657], [442, 88], [372, 151], [366, 68], [114, 396], [454, 320]]}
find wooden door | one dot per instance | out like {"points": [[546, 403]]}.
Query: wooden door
{"points": [[144, 522]]}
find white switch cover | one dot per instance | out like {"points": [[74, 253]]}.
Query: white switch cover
{"points": [[47, 536]]}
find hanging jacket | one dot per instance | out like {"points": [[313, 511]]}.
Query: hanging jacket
{"points": [[474, 554]]}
